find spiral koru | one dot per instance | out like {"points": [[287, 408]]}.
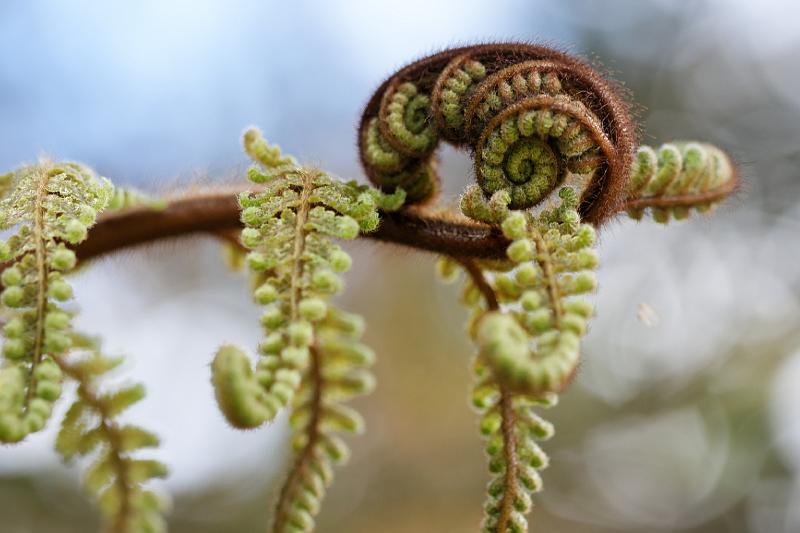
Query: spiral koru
{"points": [[531, 116]]}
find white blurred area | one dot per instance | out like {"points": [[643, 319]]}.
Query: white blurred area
{"points": [[674, 423]]}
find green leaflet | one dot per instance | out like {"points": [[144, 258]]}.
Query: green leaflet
{"points": [[678, 177], [50, 205], [114, 478]]}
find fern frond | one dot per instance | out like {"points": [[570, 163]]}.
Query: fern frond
{"points": [[337, 372], [534, 345], [290, 222], [677, 178], [527, 319], [115, 477], [52, 206]]}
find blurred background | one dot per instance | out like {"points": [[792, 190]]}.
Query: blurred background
{"points": [[683, 416]]}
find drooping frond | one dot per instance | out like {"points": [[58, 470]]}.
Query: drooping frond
{"points": [[115, 477], [337, 372], [677, 178], [527, 319], [310, 356], [290, 221], [51, 206]]}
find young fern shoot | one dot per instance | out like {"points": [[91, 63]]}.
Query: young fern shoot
{"points": [[310, 348], [51, 206], [527, 319]]}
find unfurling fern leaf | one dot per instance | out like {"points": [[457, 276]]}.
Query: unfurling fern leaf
{"points": [[115, 478], [679, 177], [51, 205], [310, 356], [289, 223], [528, 317], [551, 262]]}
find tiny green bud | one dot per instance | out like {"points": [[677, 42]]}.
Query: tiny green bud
{"points": [[259, 262], [273, 317], [12, 296], [282, 391], [5, 251], [14, 328], [346, 227], [251, 237], [47, 370], [520, 250], [266, 294], [12, 276], [251, 216], [313, 309], [300, 333], [326, 281], [60, 290], [514, 226], [531, 300], [340, 261], [14, 348], [86, 215], [447, 269], [527, 275], [48, 390], [63, 259], [295, 356], [56, 320], [272, 343], [288, 376], [75, 231], [55, 342]]}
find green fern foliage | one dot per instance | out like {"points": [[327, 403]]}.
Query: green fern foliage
{"points": [[534, 345], [310, 356], [337, 372], [679, 177], [289, 223], [115, 478], [511, 429], [528, 315], [50, 206]]}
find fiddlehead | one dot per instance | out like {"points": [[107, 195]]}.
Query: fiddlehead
{"points": [[310, 356], [51, 205], [289, 224], [532, 117], [679, 177], [527, 320], [115, 478]]}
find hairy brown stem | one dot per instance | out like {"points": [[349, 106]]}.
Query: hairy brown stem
{"points": [[217, 210], [506, 406], [304, 458]]}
